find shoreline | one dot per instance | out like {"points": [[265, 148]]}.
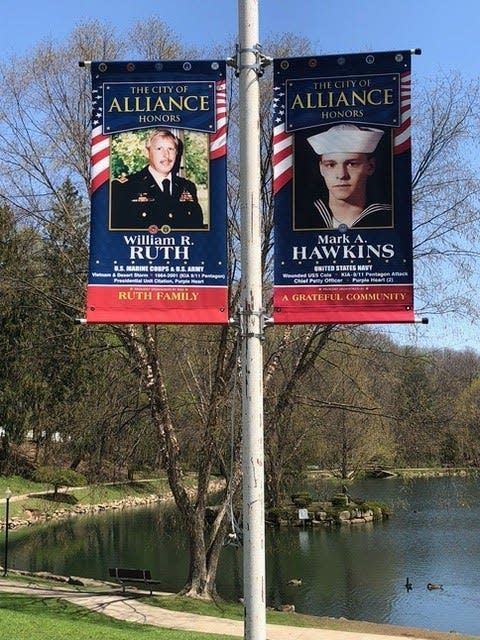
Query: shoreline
{"points": [[36, 516], [33, 517]]}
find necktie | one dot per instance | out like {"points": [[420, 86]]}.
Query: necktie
{"points": [[166, 186]]}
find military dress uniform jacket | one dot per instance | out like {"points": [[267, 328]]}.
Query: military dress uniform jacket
{"points": [[376, 215], [138, 202]]}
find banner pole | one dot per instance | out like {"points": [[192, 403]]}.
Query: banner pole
{"points": [[251, 323]]}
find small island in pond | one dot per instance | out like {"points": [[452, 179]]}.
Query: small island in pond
{"points": [[341, 509]]}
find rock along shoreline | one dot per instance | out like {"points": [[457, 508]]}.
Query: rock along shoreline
{"points": [[32, 518]]}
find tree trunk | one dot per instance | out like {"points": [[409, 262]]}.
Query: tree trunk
{"points": [[201, 582], [205, 545]]}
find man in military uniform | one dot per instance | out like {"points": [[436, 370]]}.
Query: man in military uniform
{"points": [[155, 195], [346, 163]]}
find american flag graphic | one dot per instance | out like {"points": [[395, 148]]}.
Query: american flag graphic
{"points": [[282, 142], [218, 140], [401, 134], [100, 149]]}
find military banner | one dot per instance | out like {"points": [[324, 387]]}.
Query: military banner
{"points": [[342, 187], [158, 191]]}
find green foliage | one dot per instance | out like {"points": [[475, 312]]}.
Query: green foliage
{"points": [[20, 486], [128, 152], [340, 500], [302, 499], [33, 500], [450, 450], [279, 515], [467, 423], [379, 508], [196, 158], [59, 477], [416, 411]]}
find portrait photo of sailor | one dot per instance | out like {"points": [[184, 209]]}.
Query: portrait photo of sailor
{"points": [[155, 195], [342, 178]]}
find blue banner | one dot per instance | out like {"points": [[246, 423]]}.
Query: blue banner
{"points": [[133, 105], [158, 249], [366, 99], [342, 188]]}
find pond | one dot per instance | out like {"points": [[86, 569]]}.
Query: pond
{"points": [[357, 572]]}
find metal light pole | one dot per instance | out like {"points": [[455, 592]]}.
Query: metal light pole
{"points": [[249, 61], [8, 495]]}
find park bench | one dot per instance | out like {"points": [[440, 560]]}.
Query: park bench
{"points": [[133, 576]]}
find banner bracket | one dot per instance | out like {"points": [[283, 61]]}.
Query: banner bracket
{"points": [[262, 60], [243, 323]]}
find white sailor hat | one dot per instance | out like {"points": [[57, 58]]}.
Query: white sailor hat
{"points": [[346, 138]]}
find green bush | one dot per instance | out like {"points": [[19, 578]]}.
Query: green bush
{"points": [[279, 514], [58, 477], [302, 500], [380, 509], [340, 500]]}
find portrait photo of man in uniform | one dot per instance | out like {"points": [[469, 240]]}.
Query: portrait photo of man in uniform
{"points": [[156, 195], [349, 185]]}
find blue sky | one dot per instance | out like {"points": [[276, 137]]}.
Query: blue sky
{"points": [[446, 32]]}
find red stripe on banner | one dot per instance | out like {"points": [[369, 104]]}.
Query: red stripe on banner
{"points": [[401, 148], [218, 140], [99, 179], [100, 159], [102, 152], [282, 154], [282, 158], [353, 304], [156, 305], [282, 180], [401, 135], [279, 134]]}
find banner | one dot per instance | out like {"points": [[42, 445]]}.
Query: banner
{"points": [[158, 249], [342, 188]]}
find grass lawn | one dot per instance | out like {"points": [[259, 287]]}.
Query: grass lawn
{"points": [[68, 498], [33, 618], [18, 485]]}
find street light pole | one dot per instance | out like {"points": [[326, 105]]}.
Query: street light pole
{"points": [[8, 495], [251, 323]]}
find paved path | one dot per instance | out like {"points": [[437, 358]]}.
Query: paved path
{"points": [[127, 607]]}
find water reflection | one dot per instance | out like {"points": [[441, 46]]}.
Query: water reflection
{"points": [[357, 572]]}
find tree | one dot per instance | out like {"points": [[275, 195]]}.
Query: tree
{"points": [[146, 349], [349, 417], [288, 366], [58, 477], [467, 424], [453, 375], [414, 409], [20, 387], [445, 191]]}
